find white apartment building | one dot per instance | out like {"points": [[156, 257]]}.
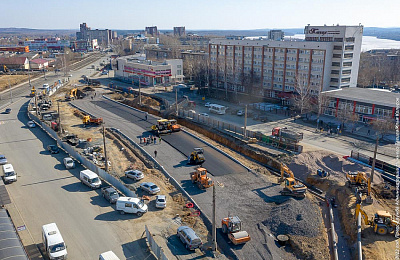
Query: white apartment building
{"points": [[327, 59], [54, 44], [134, 68]]}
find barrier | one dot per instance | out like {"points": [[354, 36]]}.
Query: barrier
{"points": [[157, 250]]}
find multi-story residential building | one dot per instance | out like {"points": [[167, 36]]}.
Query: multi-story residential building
{"points": [[134, 68], [327, 59], [104, 37], [43, 44], [276, 35], [84, 45], [179, 31], [151, 31]]}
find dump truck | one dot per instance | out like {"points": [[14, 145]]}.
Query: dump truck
{"points": [[233, 227], [86, 120], [383, 222], [200, 177], [292, 187], [163, 126], [197, 156], [289, 135]]}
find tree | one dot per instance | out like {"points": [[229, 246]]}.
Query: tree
{"points": [[382, 127], [319, 106], [302, 97]]}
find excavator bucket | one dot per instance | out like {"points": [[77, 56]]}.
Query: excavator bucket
{"points": [[238, 238]]}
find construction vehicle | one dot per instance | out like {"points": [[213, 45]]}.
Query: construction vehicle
{"points": [[92, 120], [286, 134], [200, 177], [197, 156], [360, 181], [33, 91], [174, 125], [382, 223], [71, 95], [293, 187], [163, 126], [233, 227]]}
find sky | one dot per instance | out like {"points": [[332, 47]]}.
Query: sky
{"points": [[197, 15]]}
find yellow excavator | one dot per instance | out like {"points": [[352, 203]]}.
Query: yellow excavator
{"points": [[360, 181], [71, 94], [200, 177], [197, 156], [233, 227], [293, 187], [382, 223]]}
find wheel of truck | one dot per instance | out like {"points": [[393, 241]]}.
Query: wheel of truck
{"points": [[121, 212], [381, 230], [224, 229], [139, 214], [104, 195]]}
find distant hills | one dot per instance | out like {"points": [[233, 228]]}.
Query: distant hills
{"points": [[385, 33]]}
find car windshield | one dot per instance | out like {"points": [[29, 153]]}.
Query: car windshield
{"points": [[140, 204], [69, 161], [94, 180], [161, 200], [2, 157], [57, 247], [153, 187], [113, 193], [8, 174]]}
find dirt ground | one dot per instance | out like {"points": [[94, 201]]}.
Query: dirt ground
{"points": [[6, 80], [305, 166]]}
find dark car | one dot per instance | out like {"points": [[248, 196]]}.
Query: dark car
{"points": [[263, 119], [52, 148], [8, 111]]}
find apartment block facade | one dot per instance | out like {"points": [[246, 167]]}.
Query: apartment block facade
{"points": [[327, 59]]}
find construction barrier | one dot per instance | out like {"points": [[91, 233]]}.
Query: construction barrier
{"points": [[157, 250]]}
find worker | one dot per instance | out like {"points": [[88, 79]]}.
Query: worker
{"points": [[159, 140], [145, 115], [155, 153]]}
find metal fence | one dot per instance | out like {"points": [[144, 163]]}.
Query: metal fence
{"points": [[157, 250]]}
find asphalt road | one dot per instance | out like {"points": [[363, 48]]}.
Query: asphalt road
{"points": [[45, 192], [238, 193]]}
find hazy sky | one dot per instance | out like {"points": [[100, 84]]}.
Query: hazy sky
{"points": [[203, 14]]}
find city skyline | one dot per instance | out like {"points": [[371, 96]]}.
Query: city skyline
{"points": [[205, 15]]}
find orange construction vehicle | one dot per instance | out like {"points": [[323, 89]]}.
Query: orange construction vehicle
{"points": [[292, 186], [91, 120], [233, 227], [382, 223], [174, 125], [200, 177]]}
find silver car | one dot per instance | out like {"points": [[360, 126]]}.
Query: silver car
{"points": [[3, 160], [134, 174], [150, 187]]}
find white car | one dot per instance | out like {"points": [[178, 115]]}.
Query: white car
{"points": [[161, 201], [134, 174], [69, 163], [204, 114], [208, 104], [150, 187], [240, 113], [47, 117], [31, 124]]}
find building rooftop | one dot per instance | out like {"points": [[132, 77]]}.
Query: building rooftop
{"points": [[375, 96], [13, 60]]}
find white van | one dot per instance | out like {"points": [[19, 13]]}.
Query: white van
{"points": [[53, 242], [217, 109], [9, 174], [109, 255], [90, 178], [131, 205]]}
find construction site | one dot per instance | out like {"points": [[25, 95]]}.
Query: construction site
{"points": [[283, 198]]}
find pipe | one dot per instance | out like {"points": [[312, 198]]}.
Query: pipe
{"points": [[333, 234], [359, 245]]}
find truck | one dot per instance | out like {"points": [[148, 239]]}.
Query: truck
{"points": [[110, 194], [91, 120], [288, 135]]}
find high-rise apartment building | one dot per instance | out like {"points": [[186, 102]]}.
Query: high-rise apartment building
{"points": [[327, 59], [151, 31], [104, 37], [276, 35], [179, 31]]}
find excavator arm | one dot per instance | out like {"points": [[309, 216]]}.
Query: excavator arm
{"points": [[363, 214], [286, 169]]}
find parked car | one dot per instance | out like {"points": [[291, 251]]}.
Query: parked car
{"points": [[69, 75], [189, 237], [150, 187], [208, 104], [31, 124], [3, 160], [90, 179], [47, 117], [110, 194], [240, 113], [263, 119], [131, 205], [69, 163], [161, 201], [8, 111], [204, 114], [52, 148], [134, 174]]}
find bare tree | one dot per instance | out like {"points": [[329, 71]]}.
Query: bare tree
{"points": [[322, 102], [302, 97]]}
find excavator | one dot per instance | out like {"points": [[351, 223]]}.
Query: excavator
{"points": [[174, 125], [200, 177], [163, 126], [86, 120], [33, 91], [382, 223], [293, 187], [71, 94], [360, 181], [233, 227], [197, 156]]}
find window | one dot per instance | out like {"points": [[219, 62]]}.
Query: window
{"points": [[128, 205], [337, 55], [348, 55], [337, 47], [347, 64], [350, 39], [346, 72], [334, 80], [338, 39], [334, 72], [179, 66], [336, 64], [349, 48], [179, 72], [345, 80]]}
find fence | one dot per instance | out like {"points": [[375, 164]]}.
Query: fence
{"points": [[83, 160], [386, 167], [157, 250]]}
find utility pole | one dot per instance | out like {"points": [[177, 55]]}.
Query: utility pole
{"points": [[176, 100], [374, 161], [29, 75], [245, 122], [59, 116], [140, 94], [105, 150], [9, 85], [36, 104], [214, 223]]}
